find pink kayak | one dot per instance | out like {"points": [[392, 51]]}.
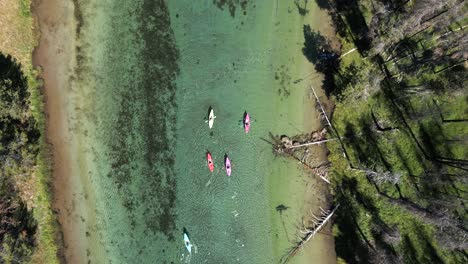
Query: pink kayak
{"points": [[227, 165], [246, 122], [209, 159]]}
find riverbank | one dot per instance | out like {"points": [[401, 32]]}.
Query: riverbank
{"points": [[397, 171], [18, 38], [125, 175], [55, 55], [312, 192]]}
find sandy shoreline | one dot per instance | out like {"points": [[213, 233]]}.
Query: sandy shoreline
{"points": [[321, 248], [313, 192], [54, 56]]}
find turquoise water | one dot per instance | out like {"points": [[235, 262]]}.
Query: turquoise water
{"points": [[147, 73]]}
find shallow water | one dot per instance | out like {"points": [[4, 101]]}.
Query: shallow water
{"points": [[146, 76]]}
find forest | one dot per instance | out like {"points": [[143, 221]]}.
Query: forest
{"points": [[18, 150], [397, 80]]}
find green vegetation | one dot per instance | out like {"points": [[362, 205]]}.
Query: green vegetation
{"points": [[28, 227], [24, 8], [399, 170], [47, 236], [19, 147]]}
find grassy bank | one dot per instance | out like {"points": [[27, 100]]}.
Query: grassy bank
{"points": [[399, 170], [26, 164]]}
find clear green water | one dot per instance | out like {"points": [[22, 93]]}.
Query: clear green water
{"points": [[147, 73]]}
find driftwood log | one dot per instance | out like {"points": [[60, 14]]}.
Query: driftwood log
{"points": [[309, 233]]}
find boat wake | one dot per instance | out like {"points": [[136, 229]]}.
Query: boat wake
{"points": [[187, 257]]}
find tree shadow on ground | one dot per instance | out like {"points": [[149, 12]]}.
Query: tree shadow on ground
{"points": [[365, 145], [430, 254], [394, 4], [351, 244], [369, 136], [400, 107], [409, 171], [323, 4], [346, 78], [434, 140], [356, 23], [319, 52], [385, 239], [317, 49], [409, 251], [408, 60], [349, 22]]}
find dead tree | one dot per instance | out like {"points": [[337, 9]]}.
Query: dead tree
{"points": [[380, 177], [320, 171], [311, 143], [452, 239], [285, 146], [343, 150], [442, 219], [310, 232], [378, 124], [321, 107]]}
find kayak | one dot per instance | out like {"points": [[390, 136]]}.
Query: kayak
{"points": [[211, 118], [246, 122], [209, 159], [227, 164], [188, 245]]}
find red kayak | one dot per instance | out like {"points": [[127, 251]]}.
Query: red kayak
{"points": [[227, 165], [246, 122], [210, 162]]}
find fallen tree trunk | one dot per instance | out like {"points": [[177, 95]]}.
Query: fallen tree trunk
{"points": [[309, 233], [311, 143]]}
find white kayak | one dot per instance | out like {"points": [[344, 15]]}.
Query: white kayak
{"points": [[188, 245], [211, 118]]}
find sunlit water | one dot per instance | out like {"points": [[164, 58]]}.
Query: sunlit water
{"points": [[147, 74]]}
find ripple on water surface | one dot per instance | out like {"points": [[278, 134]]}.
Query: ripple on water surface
{"points": [[146, 80]]}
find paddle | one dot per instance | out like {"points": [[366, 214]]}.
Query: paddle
{"points": [[241, 122], [207, 120]]}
